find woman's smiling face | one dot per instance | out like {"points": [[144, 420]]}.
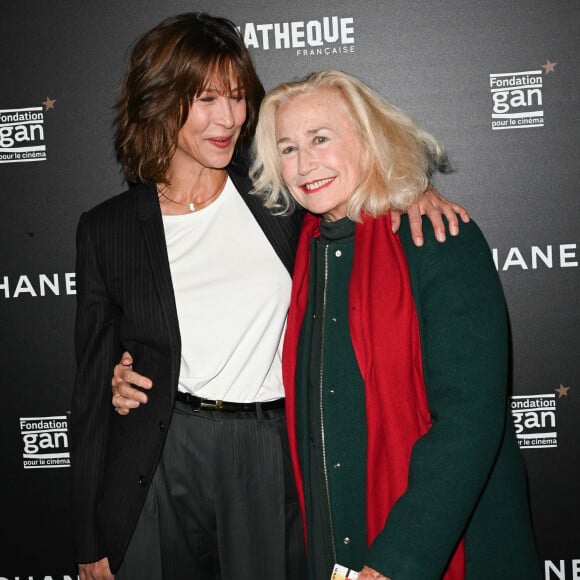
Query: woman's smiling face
{"points": [[320, 152]]}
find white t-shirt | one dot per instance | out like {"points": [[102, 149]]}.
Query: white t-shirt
{"points": [[232, 294]]}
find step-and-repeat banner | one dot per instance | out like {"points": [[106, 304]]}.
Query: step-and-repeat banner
{"points": [[496, 82]]}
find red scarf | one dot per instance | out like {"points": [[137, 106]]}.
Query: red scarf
{"points": [[385, 335]]}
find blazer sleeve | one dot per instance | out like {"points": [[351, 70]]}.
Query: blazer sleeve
{"points": [[464, 337], [97, 349]]}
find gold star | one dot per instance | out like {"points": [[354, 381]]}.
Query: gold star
{"points": [[49, 103], [549, 66], [562, 391]]}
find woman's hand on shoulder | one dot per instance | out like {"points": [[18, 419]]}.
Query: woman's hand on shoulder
{"points": [[433, 205], [125, 396]]}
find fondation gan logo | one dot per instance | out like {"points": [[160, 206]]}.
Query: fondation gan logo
{"points": [[45, 442], [517, 97], [22, 133], [534, 418], [322, 37]]}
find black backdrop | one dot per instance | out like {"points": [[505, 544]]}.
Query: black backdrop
{"points": [[496, 83]]}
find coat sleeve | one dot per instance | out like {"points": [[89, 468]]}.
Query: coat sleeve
{"points": [[97, 349], [464, 337]]}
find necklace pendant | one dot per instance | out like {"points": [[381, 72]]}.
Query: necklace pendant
{"points": [[191, 207]]}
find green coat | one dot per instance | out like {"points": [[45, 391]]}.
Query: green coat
{"points": [[447, 281]]}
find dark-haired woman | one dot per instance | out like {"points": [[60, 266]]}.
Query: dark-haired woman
{"points": [[191, 275]]}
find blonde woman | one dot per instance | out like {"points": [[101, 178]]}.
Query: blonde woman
{"points": [[395, 357]]}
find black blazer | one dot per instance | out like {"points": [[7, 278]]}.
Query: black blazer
{"points": [[125, 301]]}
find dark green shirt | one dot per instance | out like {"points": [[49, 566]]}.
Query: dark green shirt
{"points": [[336, 410]]}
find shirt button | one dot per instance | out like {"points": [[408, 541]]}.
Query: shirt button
{"points": [[337, 465], [338, 253], [331, 391], [333, 319], [346, 540]]}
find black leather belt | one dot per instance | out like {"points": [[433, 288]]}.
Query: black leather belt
{"points": [[199, 404]]}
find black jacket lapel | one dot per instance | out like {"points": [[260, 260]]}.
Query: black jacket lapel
{"points": [[151, 222]]}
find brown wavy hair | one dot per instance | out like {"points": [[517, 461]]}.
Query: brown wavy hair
{"points": [[169, 66]]}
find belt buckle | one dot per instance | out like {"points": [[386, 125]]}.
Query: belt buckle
{"points": [[204, 405], [218, 406]]}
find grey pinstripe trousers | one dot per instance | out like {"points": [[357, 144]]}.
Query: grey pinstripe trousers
{"points": [[222, 504]]}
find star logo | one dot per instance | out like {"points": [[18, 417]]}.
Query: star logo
{"points": [[549, 66], [49, 103], [562, 391]]}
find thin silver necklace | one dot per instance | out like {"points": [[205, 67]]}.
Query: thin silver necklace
{"points": [[192, 207]]}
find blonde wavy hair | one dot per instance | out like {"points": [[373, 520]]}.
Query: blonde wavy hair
{"points": [[401, 155]]}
